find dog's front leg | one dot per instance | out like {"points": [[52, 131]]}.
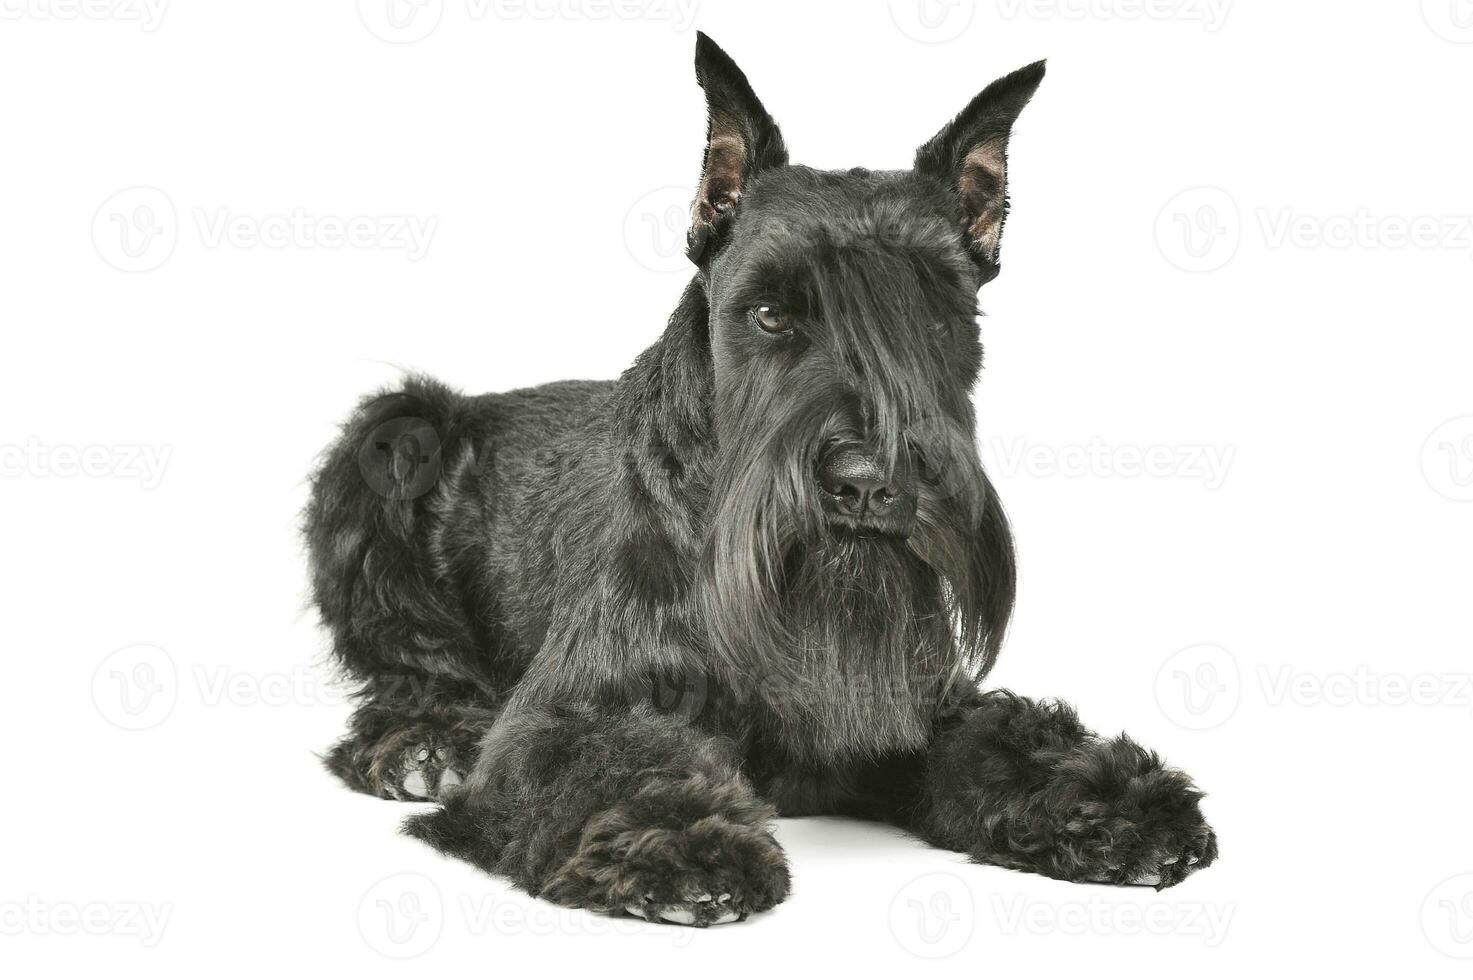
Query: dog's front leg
{"points": [[619, 810], [1023, 784]]}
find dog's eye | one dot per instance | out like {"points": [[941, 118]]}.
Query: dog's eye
{"points": [[770, 318]]}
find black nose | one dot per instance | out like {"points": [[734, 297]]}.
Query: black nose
{"points": [[858, 485]]}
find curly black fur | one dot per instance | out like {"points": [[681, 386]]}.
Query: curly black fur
{"points": [[614, 627]]}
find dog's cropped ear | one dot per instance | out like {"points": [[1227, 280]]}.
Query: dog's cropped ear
{"points": [[971, 155], [741, 139]]}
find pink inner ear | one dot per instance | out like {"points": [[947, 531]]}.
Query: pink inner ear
{"points": [[983, 193], [721, 184]]}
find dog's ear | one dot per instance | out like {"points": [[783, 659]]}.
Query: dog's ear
{"points": [[970, 155], [741, 139]]}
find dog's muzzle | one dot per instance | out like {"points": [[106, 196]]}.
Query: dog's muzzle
{"points": [[860, 494]]}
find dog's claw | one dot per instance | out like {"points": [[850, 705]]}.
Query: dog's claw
{"points": [[698, 909]]}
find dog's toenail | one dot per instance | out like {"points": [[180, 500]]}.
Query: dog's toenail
{"points": [[683, 916]]}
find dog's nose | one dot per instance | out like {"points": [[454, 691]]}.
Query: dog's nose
{"points": [[857, 483]]}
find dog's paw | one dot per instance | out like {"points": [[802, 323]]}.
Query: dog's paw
{"points": [[711, 872], [1116, 815], [692, 910], [415, 762], [418, 759], [422, 771], [1165, 860]]}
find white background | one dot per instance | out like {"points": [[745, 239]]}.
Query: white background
{"points": [[1208, 260]]}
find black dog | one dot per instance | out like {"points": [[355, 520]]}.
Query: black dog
{"points": [[615, 627]]}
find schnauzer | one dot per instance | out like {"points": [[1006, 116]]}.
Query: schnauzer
{"points": [[614, 628]]}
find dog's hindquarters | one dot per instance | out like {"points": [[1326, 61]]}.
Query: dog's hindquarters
{"points": [[383, 510], [377, 527], [413, 520]]}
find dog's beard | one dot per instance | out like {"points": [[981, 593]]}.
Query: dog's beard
{"points": [[846, 642], [870, 651]]}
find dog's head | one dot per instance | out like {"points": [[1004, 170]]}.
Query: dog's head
{"points": [[849, 500]]}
